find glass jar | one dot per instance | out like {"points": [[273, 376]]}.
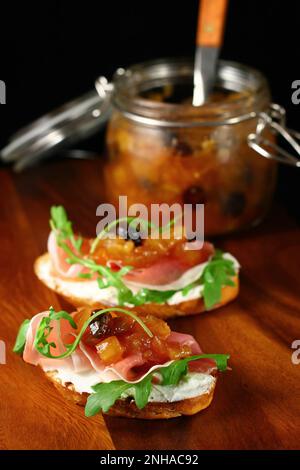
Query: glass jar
{"points": [[161, 151]]}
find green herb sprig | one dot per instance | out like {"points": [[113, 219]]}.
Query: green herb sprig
{"points": [[21, 337], [62, 227], [43, 346], [144, 296], [172, 374], [107, 278], [134, 222], [106, 394], [218, 272]]}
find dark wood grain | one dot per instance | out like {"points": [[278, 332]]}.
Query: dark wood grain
{"points": [[33, 415], [256, 404]]}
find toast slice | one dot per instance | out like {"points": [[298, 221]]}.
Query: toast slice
{"points": [[87, 293], [127, 408]]}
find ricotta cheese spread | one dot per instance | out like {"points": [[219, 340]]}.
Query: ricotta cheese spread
{"points": [[190, 386], [89, 289]]}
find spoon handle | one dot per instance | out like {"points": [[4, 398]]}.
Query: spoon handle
{"points": [[211, 21]]}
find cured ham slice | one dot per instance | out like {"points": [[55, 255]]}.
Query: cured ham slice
{"points": [[76, 361], [59, 259], [167, 269], [164, 271], [184, 339], [122, 369], [85, 358], [205, 365]]}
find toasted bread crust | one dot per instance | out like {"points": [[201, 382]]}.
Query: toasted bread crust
{"points": [[128, 409], [164, 311]]}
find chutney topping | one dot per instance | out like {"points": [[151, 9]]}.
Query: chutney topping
{"points": [[116, 336]]}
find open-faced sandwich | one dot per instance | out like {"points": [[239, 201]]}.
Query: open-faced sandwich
{"points": [[117, 362], [159, 276]]}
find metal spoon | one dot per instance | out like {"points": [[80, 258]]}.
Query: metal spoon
{"points": [[209, 37]]}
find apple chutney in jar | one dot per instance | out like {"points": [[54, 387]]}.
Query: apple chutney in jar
{"points": [[161, 149]]}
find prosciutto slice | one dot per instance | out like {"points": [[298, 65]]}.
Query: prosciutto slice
{"points": [[77, 361], [120, 370], [165, 271], [85, 358], [59, 259], [184, 339], [206, 366]]}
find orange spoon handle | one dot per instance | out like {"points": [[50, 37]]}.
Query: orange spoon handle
{"points": [[211, 22]]}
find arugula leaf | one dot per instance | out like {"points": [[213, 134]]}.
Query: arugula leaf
{"points": [[172, 374], [56, 316], [142, 391], [125, 295], [133, 223], [21, 337], [220, 359], [62, 226], [108, 277], [113, 279], [106, 394], [85, 275], [188, 288], [44, 329], [152, 296], [59, 221], [217, 273]]}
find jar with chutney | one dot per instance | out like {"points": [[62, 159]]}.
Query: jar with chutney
{"points": [[161, 149]]}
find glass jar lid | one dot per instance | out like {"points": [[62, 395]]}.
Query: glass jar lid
{"points": [[63, 127]]}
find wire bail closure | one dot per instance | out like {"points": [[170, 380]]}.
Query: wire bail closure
{"points": [[103, 87], [275, 119]]}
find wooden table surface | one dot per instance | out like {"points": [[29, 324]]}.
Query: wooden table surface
{"points": [[256, 405]]}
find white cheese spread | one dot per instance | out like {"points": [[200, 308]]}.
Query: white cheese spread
{"points": [[190, 386], [89, 289]]}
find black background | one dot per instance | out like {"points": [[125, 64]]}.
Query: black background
{"points": [[52, 51]]}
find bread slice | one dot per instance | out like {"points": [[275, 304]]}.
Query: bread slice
{"points": [[128, 409], [90, 295]]}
